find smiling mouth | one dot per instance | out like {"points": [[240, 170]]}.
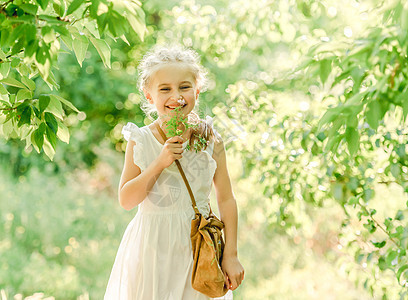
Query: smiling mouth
{"points": [[172, 108]]}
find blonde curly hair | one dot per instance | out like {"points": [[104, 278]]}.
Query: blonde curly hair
{"points": [[158, 56]]}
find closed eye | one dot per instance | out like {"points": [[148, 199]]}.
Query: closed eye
{"points": [[167, 89]]}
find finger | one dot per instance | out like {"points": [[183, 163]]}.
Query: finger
{"points": [[176, 139], [229, 284], [176, 148], [234, 284], [228, 281]]}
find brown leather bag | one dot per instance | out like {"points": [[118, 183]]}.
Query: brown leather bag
{"points": [[208, 246]]}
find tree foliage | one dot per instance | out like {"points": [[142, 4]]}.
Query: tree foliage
{"points": [[33, 34], [346, 137]]}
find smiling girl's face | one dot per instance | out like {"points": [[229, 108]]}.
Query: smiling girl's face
{"points": [[167, 85]]}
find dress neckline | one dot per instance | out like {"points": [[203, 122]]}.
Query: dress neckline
{"points": [[157, 141]]}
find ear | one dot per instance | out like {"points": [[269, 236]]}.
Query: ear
{"points": [[148, 96]]}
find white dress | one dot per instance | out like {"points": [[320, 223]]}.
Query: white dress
{"points": [[154, 260]]}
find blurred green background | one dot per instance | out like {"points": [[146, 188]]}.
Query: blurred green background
{"points": [[275, 67]]}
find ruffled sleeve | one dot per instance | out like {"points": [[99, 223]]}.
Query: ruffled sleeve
{"points": [[132, 132]]}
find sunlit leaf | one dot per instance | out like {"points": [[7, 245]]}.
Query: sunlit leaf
{"points": [[103, 49], [80, 45], [352, 138]]}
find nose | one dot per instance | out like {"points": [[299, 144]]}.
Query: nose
{"points": [[176, 96]]}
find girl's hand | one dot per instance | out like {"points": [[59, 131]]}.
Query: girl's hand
{"points": [[233, 271], [172, 150]]}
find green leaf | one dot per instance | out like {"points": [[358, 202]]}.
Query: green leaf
{"points": [[3, 90], [28, 82], [15, 62], [13, 82], [29, 8], [93, 9], [382, 264], [7, 127], [352, 120], [43, 3], [329, 116], [52, 20], [37, 138], [55, 107], [31, 49], [2, 54], [379, 244], [51, 121], [18, 46], [66, 102], [80, 45], [352, 138], [138, 27], [398, 232], [58, 9], [52, 138], [390, 257], [400, 271], [48, 34], [30, 33], [28, 140], [63, 132], [405, 108], [399, 215], [37, 112], [355, 99], [25, 116], [404, 19], [5, 37], [92, 29], [23, 94], [334, 130], [74, 6], [325, 69], [44, 100], [51, 81], [123, 37], [4, 70], [333, 143], [353, 200], [103, 49], [373, 114], [68, 41], [48, 149], [102, 20], [43, 60]]}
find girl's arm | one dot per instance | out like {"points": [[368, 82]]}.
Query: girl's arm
{"points": [[229, 215], [134, 184]]}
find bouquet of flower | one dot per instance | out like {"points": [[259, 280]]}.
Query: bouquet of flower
{"points": [[174, 122]]}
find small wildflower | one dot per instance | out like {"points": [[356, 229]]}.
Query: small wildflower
{"points": [[181, 101], [177, 119]]}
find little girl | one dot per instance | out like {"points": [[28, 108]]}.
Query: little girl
{"points": [[154, 260]]}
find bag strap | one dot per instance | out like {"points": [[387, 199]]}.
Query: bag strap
{"points": [[181, 172]]}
